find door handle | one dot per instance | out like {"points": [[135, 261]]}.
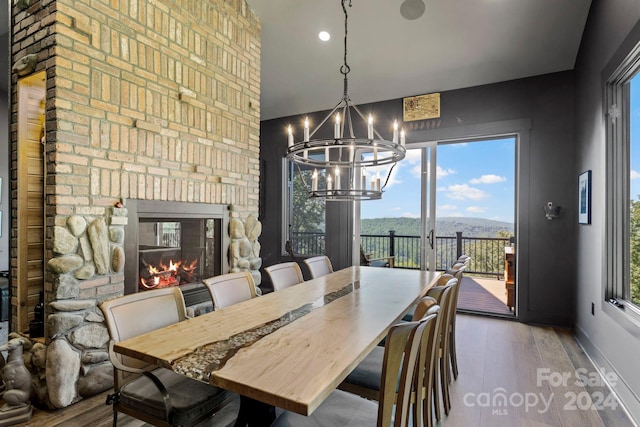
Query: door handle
{"points": [[430, 238]]}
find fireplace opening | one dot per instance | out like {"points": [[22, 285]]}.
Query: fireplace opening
{"points": [[175, 244], [177, 252]]}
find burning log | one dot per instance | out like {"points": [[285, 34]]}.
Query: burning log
{"points": [[164, 275]]}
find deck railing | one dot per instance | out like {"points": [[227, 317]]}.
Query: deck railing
{"points": [[307, 243], [487, 253]]}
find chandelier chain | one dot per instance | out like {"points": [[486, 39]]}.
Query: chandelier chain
{"points": [[345, 68], [339, 162]]}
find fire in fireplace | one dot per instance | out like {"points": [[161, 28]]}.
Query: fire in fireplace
{"points": [[175, 244], [161, 275], [177, 252]]}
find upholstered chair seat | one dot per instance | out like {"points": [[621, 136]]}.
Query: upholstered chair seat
{"points": [[190, 400]]}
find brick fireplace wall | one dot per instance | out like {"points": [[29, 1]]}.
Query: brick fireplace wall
{"points": [[145, 100]]}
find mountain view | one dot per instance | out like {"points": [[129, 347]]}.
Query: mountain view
{"points": [[445, 227]]}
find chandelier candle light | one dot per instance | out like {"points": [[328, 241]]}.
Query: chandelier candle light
{"points": [[338, 162]]}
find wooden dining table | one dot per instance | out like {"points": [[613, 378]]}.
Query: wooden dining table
{"points": [[289, 348]]}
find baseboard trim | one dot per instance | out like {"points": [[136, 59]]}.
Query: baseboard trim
{"points": [[628, 399]]}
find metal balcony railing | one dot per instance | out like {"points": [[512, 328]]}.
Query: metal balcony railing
{"points": [[487, 253], [307, 243]]}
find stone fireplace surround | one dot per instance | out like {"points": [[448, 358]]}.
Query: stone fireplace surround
{"points": [[182, 127], [73, 362]]}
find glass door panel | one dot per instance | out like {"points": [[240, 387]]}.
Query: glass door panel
{"points": [[445, 199], [394, 226]]}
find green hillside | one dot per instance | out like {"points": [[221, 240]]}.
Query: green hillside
{"points": [[445, 227]]}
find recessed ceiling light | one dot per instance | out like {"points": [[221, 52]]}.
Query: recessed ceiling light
{"points": [[412, 9], [324, 36]]}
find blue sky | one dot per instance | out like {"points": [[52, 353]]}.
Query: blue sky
{"points": [[635, 138], [475, 179]]}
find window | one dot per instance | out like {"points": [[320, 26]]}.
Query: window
{"points": [[305, 225], [634, 186], [622, 110]]}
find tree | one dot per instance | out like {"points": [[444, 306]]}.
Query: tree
{"points": [[306, 230], [308, 214], [634, 241], [505, 234]]}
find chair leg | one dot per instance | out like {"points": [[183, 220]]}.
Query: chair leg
{"points": [[436, 393], [445, 373], [449, 364], [444, 384], [454, 357], [418, 409], [112, 399], [427, 406]]}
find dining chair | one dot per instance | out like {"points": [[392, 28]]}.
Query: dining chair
{"points": [[441, 281], [365, 379], [319, 266], [229, 289], [444, 295], [465, 259], [158, 396], [367, 261], [452, 328], [284, 275], [340, 408], [458, 266]]}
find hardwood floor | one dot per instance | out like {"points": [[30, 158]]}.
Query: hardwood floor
{"points": [[495, 358], [522, 363]]}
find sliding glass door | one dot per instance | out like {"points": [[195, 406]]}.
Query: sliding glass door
{"points": [[445, 198]]}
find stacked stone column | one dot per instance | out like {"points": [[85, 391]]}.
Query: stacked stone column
{"points": [[245, 247], [88, 263]]}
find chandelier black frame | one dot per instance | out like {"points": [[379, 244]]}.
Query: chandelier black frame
{"points": [[344, 159]]}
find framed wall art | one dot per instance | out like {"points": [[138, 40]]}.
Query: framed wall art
{"points": [[422, 107], [584, 197]]}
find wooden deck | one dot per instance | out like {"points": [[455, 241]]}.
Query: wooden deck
{"points": [[482, 294], [493, 354]]}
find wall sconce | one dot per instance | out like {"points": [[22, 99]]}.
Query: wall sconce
{"points": [[552, 211]]}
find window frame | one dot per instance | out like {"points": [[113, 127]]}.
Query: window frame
{"points": [[288, 169], [286, 204], [623, 67]]}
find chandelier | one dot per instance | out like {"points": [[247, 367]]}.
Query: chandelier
{"points": [[342, 165]]}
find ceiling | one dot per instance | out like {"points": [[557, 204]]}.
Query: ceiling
{"points": [[455, 44]]}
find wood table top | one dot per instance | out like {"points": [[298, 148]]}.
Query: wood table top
{"points": [[292, 347]]}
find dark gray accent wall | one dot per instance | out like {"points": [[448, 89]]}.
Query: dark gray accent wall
{"points": [[610, 339], [545, 158]]}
